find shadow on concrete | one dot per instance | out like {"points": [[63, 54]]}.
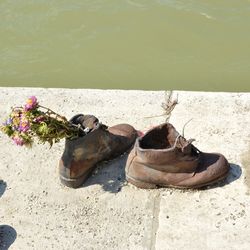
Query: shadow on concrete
{"points": [[7, 236], [234, 174], [3, 186], [110, 175]]}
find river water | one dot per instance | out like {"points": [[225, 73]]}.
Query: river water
{"points": [[127, 44]]}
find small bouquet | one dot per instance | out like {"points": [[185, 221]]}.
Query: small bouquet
{"points": [[31, 121]]}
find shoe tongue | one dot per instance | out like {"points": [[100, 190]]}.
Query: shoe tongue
{"points": [[173, 136]]}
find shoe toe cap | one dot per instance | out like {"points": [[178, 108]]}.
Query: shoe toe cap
{"points": [[213, 167], [124, 130]]}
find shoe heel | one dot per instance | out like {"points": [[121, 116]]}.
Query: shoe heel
{"points": [[72, 183], [75, 182], [141, 184]]}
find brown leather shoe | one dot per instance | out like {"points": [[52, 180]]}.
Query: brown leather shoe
{"points": [[100, 143], [163, 158]]}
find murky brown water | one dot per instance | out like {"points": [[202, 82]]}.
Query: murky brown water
{"points": [[131, 44]]}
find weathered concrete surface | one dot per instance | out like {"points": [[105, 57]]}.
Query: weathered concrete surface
{"points": [[218, 217], [106, 213]]}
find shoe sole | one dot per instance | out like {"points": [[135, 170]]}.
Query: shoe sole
{"points": [[75, 182], [145, 185]]}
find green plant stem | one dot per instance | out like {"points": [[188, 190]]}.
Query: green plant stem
{"points": [[54, 113], [63, 118]]}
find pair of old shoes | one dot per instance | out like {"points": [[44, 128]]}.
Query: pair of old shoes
{"points": [[160, 158]]}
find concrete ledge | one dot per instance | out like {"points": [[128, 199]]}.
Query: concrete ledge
{"points": [[106, 213]]}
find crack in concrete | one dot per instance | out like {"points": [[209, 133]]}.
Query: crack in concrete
{"points": [[155, 220], [246, 164]]}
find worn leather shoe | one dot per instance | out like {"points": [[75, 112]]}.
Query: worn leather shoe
{"points": [[163, 158], [98, 143]]}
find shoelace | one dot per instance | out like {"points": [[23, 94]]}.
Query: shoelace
{"points": [[189, 141]]}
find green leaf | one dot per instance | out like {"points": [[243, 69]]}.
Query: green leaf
{"points": [[43, 129]]}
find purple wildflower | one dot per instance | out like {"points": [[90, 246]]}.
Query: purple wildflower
{"points": [[8, 122], [18, 140], [31, 103], [24, 124]]}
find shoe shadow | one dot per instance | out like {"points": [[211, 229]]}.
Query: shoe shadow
{"points": [[235, 172], [110, 175], [7, 236], [3, 186]]}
